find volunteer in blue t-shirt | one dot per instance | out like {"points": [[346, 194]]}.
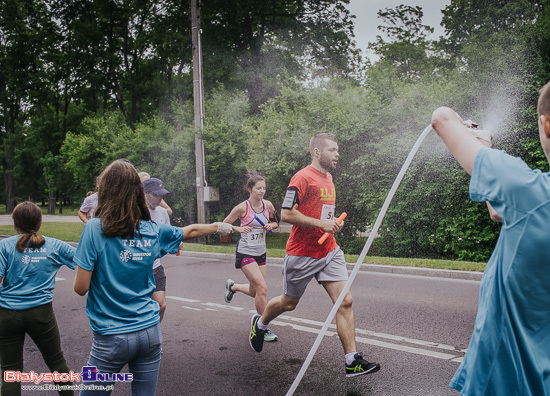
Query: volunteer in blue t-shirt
{"points": [[28, 265], [509, 352], [115, 258]]}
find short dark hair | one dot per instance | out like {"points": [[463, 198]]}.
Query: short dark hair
{"points": [[319, 141]]}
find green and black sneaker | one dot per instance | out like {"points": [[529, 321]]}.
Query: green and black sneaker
{"points": [[256, 334], [360, 366]]}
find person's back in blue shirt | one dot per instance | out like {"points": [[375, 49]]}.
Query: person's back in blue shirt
{"points": [[29, 276], [119, 299], [509, 353], [28, 265]]}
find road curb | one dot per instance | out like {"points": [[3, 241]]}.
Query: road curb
{"points": [[380, 268], [388, 269]]}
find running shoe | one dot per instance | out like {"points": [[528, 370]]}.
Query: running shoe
{"points": [[228, 293], [360, 366], [256, 334], [270, 336]]}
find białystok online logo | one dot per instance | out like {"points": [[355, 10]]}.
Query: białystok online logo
{"points": [[88, 374]]}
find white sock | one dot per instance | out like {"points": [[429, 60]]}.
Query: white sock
{"points": [[261, 326], [350, 357]]}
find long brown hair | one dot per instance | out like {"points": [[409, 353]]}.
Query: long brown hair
{"points": [[121, 200], [27, 220]]}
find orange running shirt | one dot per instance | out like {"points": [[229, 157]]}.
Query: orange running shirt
{"points": [[316, 198]]}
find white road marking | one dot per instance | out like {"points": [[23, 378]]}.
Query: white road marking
{"points": [[194, 309], [230, 307], [305, 325], [404, 348], [379, 335], [303, 328], [183, 299]]}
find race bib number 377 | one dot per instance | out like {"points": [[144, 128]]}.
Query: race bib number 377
{"points": [[256, 237]]}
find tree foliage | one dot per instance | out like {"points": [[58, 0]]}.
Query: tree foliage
{"points": [[84, 83]]}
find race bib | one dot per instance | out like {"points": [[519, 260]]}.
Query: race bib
{"points": [[256, 237], [328, 212]]}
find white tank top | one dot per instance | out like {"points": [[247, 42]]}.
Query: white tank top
{"points": [[253, 243]]}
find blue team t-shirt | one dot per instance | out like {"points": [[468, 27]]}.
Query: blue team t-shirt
{"points": [[29, 276], [119, 299], [509, 352]]}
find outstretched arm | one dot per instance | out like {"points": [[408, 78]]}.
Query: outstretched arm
{"points": [[463, 145], [199, 230]]}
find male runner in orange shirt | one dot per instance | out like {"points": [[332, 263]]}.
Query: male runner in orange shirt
{"points": [[309, 206]]}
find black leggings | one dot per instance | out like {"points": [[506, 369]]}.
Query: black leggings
{"points": [[40, 324]]}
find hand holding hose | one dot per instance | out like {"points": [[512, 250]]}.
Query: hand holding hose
{"points": [[485, 137]]}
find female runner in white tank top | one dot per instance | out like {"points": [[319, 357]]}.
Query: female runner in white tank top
{"points": [[251, 248]]}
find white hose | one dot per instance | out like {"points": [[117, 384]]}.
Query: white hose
{"points": [[362, 256]]}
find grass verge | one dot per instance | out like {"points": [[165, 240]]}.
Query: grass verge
{"points": [[352, 258], [71, 232], [68, 210], [66, 231]]}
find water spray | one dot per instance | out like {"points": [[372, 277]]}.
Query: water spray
{"points": [[362, 256]]}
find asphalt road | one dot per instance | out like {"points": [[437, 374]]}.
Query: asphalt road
{"points": [[7, 220], [417, 327]]}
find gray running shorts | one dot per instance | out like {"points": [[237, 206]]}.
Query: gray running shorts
{"points": [[299, 270], [160, 278]]}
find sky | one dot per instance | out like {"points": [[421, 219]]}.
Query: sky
{"points": [[367, 21]]}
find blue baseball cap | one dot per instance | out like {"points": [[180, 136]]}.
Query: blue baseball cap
{"points": [[154, 186]]}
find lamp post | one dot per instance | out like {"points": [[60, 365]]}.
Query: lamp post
{"points": [[198, 101]]}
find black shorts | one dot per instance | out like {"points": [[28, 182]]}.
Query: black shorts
{"points": [[239, 257], [160, 278]]}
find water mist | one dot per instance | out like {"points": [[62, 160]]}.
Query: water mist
{"points": [[357, 265]]}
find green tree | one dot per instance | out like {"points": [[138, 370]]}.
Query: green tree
{"points": [[466, 20], [123, 54], [27, 33], [408, 47], [256, 45], [228, 146]]}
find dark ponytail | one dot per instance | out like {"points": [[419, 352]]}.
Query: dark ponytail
{"points": [[27, 220]]}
